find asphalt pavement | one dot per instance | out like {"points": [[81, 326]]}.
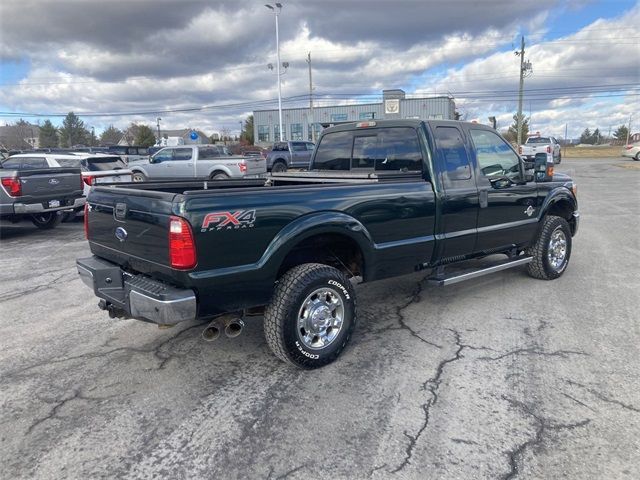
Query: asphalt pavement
{"points": [[499, 377]]}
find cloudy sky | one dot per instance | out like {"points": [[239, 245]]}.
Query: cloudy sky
{"points": [[203, 64]]}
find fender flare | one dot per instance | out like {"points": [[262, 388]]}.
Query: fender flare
{"points": [[220, 168], [330, 222], [557, 195]]}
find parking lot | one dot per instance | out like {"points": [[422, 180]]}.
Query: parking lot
{"points": [[499, 377]]}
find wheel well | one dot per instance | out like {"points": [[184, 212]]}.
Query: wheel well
{"points": [[331, 249], [563, 209], [280, 160], [215, 172]]}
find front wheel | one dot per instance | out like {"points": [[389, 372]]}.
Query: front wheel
{"points": [[139, 177], [552, 249], [559, 158], [311, 316], [46, 221]]}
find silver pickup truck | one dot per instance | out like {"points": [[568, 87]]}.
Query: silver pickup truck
{"points": [[213, 162], [536, 144], [38, 193]]}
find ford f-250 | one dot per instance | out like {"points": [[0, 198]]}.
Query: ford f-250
{"points": [[382, 199]]}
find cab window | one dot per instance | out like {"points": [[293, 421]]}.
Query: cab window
{"points": [[495, 156], [450, 144]]}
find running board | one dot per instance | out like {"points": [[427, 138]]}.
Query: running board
{"points": [[457, 277]]}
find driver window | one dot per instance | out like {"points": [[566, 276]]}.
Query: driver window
{"points": [[163, 155], [495, 156]]}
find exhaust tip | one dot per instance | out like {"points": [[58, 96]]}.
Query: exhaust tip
{"points": [[211, 333], [233, 328]]}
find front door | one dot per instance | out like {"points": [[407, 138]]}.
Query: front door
{"points": [[508, 207], [459, 210]]}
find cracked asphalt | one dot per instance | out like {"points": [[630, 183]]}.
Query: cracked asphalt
{"points": [[500, 377]]}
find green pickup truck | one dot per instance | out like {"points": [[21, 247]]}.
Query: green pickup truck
{"points": [[381, 199]]}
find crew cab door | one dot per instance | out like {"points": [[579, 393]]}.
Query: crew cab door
{"points": [[299, 154], [508, 206], [459, 204]]}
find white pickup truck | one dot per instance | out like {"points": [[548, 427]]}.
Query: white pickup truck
{"points": [[538, 144]]}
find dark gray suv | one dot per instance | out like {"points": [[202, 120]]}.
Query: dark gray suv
{"points": [[285, 155]]}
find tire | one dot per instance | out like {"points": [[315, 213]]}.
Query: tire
{"points": [[559, 158], [138, 177], [293, 331], [279, 166], [46, 221], [219, 176], [637, 157], [552, 250]]}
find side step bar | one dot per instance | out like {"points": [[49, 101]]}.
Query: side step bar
{"points": [[457, 277]]}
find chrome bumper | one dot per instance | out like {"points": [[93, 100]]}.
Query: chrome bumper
{"points": [[26, 208], [137, 296]]}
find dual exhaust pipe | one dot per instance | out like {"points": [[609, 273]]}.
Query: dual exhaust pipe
{"points": [[231, 325]]}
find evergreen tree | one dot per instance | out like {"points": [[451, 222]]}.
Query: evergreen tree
{"points": [[145, 136], [73, 131], [48, 135], [111, 136]]}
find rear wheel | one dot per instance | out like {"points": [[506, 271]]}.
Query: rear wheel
{"points": [[311, 316], [559, 158], [139, 177], [637, 157], [279, 166], [552, 249], [219, 176], [46, 220]]}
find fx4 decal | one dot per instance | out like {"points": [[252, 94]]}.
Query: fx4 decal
{"points": [[228, 220]]}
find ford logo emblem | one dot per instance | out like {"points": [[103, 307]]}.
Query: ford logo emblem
{"points": [[121, 234], [54, 181]]}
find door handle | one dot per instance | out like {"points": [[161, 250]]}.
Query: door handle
{"points": [[484, 198]]}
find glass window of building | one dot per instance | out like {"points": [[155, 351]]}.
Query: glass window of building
{"points": [[317, 127], [367, 115], [276, 132], [296, 131], [338, 117], [263, 133]]}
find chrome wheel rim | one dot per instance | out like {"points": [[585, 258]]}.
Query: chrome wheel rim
{"points": [[320, 318], [557, 251], [137, 178]]}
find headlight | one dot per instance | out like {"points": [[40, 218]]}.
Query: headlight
{"points": [[574, 189]]}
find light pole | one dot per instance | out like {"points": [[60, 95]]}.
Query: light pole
{"points": [[276, 10], [158, 124]]}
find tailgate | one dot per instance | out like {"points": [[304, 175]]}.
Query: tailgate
{"points": [[130, 227], [111, 176], [255, 165], [50, 182]]}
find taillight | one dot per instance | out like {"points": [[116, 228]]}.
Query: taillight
{"points": [[520, 150], [243, 167], [12, 185], [86, 220], [629, 147], [548, 148], [549, 170], [88, 179], [182, 249]]}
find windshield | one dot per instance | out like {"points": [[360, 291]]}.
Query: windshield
{"points": [[538, 140]]}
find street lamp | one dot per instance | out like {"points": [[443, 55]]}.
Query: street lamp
{"points": [[158, 124], [276, 10]]}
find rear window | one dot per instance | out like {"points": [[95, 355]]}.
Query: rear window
{"points": [[208, 153], [383, 149], [25, 163], [280, 147], [99, 164], [538, 140]]}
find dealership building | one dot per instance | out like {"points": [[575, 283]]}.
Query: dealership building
{"points": [[298, 124]]}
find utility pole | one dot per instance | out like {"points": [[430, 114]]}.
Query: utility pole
{"points": [[525, 66], [158, 125], [311, 117], [628, 131]]}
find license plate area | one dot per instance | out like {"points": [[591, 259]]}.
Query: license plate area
{"points": [[53, 203]]}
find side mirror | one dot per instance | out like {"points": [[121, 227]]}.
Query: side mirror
{"points": [[543, 167], [501, 182]]}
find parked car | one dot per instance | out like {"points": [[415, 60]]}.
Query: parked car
{"points": [[213, 162], [384, 198], [285, 155], [129, 154], [536, 144], [96, 168], [632, 151], [31, 190]]}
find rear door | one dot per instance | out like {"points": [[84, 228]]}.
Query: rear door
{"points": [[508, 207], [459, 205], [299, 154]]}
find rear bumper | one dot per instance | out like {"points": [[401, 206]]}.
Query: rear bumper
{"points": [[136, 296], [26, 208]]}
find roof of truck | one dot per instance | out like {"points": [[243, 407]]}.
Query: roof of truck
{"points": [[412, 123]]}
